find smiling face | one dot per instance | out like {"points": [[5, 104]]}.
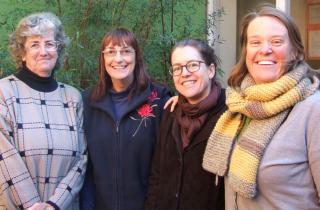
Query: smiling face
{"points": [[194, 86], [40, 60], [268, 49], [120, 62]]}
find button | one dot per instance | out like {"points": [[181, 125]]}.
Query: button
{"points": [[177, 195]]}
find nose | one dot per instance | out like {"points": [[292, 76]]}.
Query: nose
{"points": [[185, 72], [43, 50], [118, 57], [266, 48]]}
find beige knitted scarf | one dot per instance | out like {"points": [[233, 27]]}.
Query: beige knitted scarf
{"points": [[267, 105]]}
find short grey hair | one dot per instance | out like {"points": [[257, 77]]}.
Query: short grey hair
{"points": [[37, 24]]}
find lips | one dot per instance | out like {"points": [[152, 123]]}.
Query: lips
{"points": [[44, 59]]}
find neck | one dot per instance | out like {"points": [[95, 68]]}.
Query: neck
{"points": [[121, 85]]}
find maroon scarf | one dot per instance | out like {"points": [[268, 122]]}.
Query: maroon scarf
{"points": [[192, 116]]}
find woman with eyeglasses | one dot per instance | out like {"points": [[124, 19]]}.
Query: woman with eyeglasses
{"points": [[42, 148], [122, 117], [177, 180]]}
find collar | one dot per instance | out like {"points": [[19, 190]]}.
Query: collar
{"points": [[106, 104], [41, 84]]}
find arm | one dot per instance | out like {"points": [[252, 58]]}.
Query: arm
{"points": [[17, 188], [172, 102], [153, 186], [154, 178], [313, 145], [218, 197], [87, 197], [71, 184]]}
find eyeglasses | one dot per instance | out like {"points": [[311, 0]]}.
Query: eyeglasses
{"points": [[125, 52], [49, 46], [191, 66]]}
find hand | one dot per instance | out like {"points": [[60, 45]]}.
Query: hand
{"points": [[36, 206], [173, 102], [41, 206]]}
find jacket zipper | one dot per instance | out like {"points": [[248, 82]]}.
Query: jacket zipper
{"points": [[116, 154], [181, 160]]}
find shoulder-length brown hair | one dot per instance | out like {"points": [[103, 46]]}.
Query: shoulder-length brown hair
{"points": [[240, 70], [120, 36]]}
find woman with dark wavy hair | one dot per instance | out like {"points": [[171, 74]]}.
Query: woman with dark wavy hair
{"points": [[177, 180], [122, 116], [267, 143]]}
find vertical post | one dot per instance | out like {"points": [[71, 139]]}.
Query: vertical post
{"points": [[284, 5], [213, 5], [227, 30]]}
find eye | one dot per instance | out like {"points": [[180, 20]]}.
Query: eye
{"points": [[34, 45], [193, 64], [110, 52], [50, 45], [176, 68], [254, 43], [127, 51], [277, 42]]}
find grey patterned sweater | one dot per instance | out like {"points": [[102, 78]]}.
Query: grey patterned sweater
{"points": [[42, 148]]}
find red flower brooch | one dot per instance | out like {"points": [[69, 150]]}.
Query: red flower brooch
{"points": [[145, 111]]}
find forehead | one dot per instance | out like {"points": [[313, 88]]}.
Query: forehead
{"points": [[184, 54], [117, 44], [266, 26], [48, 36]]}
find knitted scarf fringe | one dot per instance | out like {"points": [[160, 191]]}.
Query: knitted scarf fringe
{"points": [[267, 105]]}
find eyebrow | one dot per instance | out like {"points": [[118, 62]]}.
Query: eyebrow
{"points": [[120, 47], [36, 41], [274, 36], [179, 64]]}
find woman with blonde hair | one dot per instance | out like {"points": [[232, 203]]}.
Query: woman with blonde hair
{"points": [[267, 143]]}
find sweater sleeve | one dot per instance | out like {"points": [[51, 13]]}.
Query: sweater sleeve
{"points": [[16, 185], [69, 187], [313, 144]]}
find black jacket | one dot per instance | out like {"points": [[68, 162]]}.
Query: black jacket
{"points": [[121, 152], [177, 180]]}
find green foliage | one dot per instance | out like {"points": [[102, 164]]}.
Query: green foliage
{"points": [[156, 23]]}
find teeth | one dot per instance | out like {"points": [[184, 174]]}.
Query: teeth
{"points": [[265, 62], [188, 82]]}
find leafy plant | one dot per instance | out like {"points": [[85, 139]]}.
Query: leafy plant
{"points": [[158, 24]]}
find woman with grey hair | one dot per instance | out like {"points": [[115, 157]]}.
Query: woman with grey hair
{"points": [[42, 148]]}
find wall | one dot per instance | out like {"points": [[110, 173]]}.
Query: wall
{"points": [[299, 14], [227, 49]]}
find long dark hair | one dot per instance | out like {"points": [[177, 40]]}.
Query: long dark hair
{"points": [[120, 36]]}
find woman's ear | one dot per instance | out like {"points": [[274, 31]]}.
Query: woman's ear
{"points": [[294, 55], [212, 71]]}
